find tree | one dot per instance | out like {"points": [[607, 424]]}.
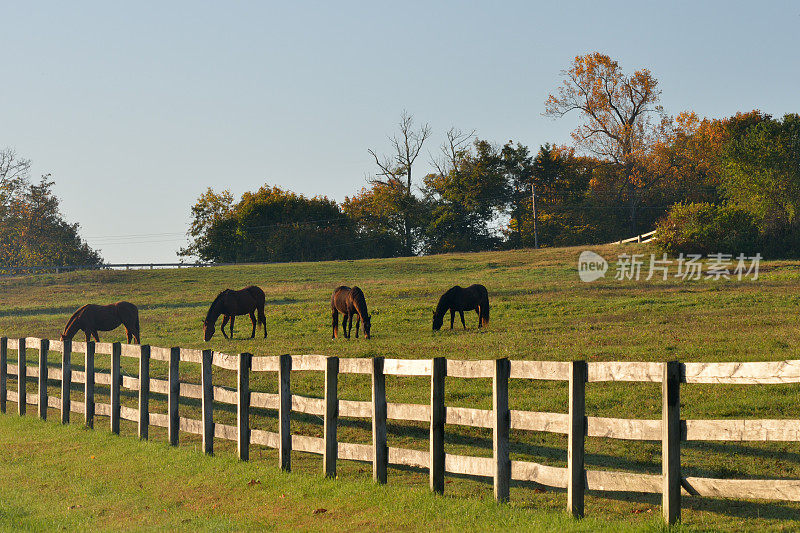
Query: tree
{"points": [[210, 209], [395, 172], [622, 119], [272, 224], [516, 165], [761, 171], [378, 216], [466, 196], [33, 231]]}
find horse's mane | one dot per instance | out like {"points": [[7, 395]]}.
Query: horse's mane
{"points": [[73, 319], [216, 303], [444, 300], [360, 301]]}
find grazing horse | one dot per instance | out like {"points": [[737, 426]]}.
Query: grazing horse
{"points": [[92, 318], [349, 302], [232, 303], [474, 297]]}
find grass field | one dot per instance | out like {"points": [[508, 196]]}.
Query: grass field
{"points": [[540, 310]]}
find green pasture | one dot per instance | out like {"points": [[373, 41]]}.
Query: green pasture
{"points": [[540, 310]]}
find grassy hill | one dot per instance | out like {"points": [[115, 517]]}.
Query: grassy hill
{"points": [[540, 310]]}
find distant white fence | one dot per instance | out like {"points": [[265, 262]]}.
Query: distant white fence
{"points": [[642, 238], [670, 429]]}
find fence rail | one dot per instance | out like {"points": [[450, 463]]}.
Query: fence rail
{"points": [[15, 270], [670, 430]]}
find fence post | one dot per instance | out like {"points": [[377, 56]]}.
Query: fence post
{"points": [[576, 475], [173, 424], [44, 347], [671, 442], [116, 353], [380, 450], [243, 406], [284, 412], [208, 404], [144, 391], [436, 443], [22, 378], [66, 379], [89, 385], [3, 373], [331, 452], [501, 425]]}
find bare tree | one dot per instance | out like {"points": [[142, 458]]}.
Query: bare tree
{"points": [[395, 169], [452, 150], [14, 172]]}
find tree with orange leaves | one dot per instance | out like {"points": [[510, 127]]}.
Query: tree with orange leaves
{"points": [[622, 120]]}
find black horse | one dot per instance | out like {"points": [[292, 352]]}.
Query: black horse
{"points": [[474, 297], [230, 303]]}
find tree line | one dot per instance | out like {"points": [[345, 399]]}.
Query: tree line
{"points": [[630, 167], [707, 184]]}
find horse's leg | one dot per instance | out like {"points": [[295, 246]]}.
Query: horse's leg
{"points": [[253, 320], [480, 322], [88, 335], [222, 328], [128, 333], [358, 321], [350, 326], [461, 313], [233, 317], [96, 338], [452, 317], [335, 317]]}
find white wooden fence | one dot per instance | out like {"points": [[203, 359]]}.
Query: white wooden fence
{"points": [[670, 429]]}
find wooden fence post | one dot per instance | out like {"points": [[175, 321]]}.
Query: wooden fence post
{"points": [[44, 347], [380, 450], [88, 394], [208, 404], [501, 426], [22, 378], [243, 406], [284, 412], [671, 442], [66, 379], [144, 391], [436, 442], [173, 423], [3, 373], [576, 474], [331, 451], [116, 353]]}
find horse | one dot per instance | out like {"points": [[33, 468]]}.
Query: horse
{"points": [[349, 302], [459, 299], [92, 318], [232, 303]]}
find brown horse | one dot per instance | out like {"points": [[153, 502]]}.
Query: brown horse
{"points": [[349, 302], [92, 318], [232, 303], [474, 297]]}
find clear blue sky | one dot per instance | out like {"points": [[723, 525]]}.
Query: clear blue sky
{"points": [[136, 108]]}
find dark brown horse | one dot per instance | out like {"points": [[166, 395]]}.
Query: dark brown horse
{"points": [[229, 304], [92, 318], [474, 297], [349, 302]]}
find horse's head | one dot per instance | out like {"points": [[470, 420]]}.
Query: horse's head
{"points": [[208, 330], [437, 321], [367, 325]]}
